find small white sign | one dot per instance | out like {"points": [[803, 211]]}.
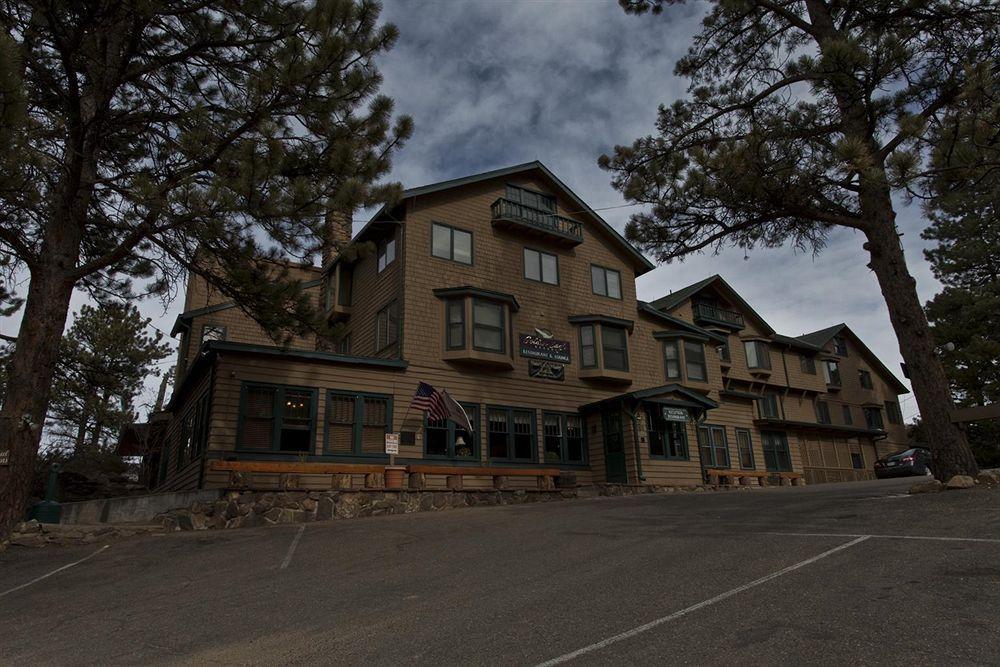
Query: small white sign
{"points": [[392, 443]]}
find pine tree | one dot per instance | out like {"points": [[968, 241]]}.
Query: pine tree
{"points": [[804, 116], [141, 137]]}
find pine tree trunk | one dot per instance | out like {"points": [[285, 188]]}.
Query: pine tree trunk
{"points": [[931, 389]]}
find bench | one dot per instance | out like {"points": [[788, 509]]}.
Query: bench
{"points": [[240, 472], [716, 474], [454, 474]]}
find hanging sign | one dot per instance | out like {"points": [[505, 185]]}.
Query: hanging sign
{"points": [[392, 443], [546, 370], [547, 349], [674, 414]]}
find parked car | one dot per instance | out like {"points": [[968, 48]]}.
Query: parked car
{"points": [[916, 461]]}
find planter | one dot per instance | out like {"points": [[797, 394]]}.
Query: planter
{"points": [[394, 477]]}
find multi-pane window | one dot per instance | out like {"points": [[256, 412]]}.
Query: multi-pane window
{"points": [[745, 446], [758, 354], [277, 418], [345, 285], [893, 413], [588, 346], [445, 438], [724, 353], [873, 419], [606, 282], [672, 359], [614, 347], [713, 446], [808, 364], [767, 406], [213, 332], [511, 434], [831, 373], [563, 438], [531, 199], [857, 461], [776, 455], [840, 345], [865, 378], [387, 326], [822, 412], [356, 423], [185, 444], [541, 266], [451, 243], [667, 439], [455, 324], [487, 326], [848, 415], [386, 253], [694, 360]]}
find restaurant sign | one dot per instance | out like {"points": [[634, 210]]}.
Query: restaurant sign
{"points": [[546, 370], [674, 414], [547, 349]]}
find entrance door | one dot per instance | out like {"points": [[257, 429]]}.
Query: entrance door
{"points": [[614, 447]]}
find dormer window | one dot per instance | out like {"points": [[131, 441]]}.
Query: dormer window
{"points": [[531, 199], [840, 346]]}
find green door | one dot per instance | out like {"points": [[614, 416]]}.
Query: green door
{"points": [[614, 447]]}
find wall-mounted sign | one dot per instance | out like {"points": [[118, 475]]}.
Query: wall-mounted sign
{"points": [[392, 443], [548, 349], [546, 370], [674, 414]]}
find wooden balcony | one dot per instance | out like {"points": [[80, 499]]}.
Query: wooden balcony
{"points": [[705, 313], [510, 215]]}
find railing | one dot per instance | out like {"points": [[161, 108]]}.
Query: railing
{"points": [[710, 312], [505, 209]]}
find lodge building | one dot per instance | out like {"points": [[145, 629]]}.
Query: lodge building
{"points": [[510, 292]]}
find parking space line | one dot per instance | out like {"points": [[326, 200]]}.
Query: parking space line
{"points": [[894, 537], [55, 571], [628, 634], [291, 547]]}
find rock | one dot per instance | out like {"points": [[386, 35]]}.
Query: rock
{"points": [[960, 482], [989, 477], [927, 486], [348, 506], [308, 505], [28, 527], [31, 540], [185, 521], [324, 509]]}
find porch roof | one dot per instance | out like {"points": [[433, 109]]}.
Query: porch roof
{"points": [[688, 398]]}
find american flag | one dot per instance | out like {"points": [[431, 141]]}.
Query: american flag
{"points": [[430, 399]]}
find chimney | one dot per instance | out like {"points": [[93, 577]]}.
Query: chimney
{"points": [[338, 234]]}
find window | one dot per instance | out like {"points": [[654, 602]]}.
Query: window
{"points": [[873, 419], [893, 413], [277, 418], [758, 354], [667, 439], [487, 326], [808, 364], [387, 326], [822, 412], [450, 243], [840, 346], [848, 415], [724, 353], [455, 324], [184, 443], [356, 423], [511, 434], [745, 446], [541, 266], [212, 332], [531, 199], [672, 359], [857, 461], [713, 446], [386, 253], [345, 286], [588, 346], [694, 361], [767, 406], [614, 346], [776, 455], [564, 441], [606, 282], [831, 373], [447, 439], [865, 378]]}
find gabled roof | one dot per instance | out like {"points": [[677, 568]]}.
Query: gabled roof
{"points": [[820, 339], [679, 323], [691, 398], [674, 299], [641, 264]]}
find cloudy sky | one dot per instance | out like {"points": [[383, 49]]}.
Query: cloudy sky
{"points": [[492, 83]]}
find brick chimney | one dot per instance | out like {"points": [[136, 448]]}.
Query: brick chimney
{"points": [[338, 234]]}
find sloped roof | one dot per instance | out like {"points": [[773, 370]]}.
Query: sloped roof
{"points": [[674, 299], [648, 309], [823, 336]]}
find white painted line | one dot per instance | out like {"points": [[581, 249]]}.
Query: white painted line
{"points": [[695, 607], [55, 571], [291, 547], [895, 537]]}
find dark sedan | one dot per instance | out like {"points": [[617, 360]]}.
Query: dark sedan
{"points": [[916, 461]]}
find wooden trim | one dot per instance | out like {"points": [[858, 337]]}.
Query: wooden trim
{"points": [[483, 471], [293, 467]]}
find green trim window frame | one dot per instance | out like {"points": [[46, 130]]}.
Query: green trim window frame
{"points": [[614, 347], [893, 413], [511, 434], [345, 284], [386, 253], [725, 354], [865, 378], [531, 198], [606, 282], [451, 243], [808, 364], [564, 436], [744, 445], [695, 367], [387, 326], [185, 443], [672, 360], [840, 346], [588, 346], [667, 439], [441, 437], [758, 354], [489, 330], [873, 419], [210, 331], [767, 406], [356, 423], [541, 267], [857, 461], [713, 446], [454, 324], [276, 418], [847, 414], [831, 372], [344, 345], [777, 458], [823, 412]]}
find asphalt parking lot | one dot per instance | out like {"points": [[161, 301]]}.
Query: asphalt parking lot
{"points": [[858, 573]]}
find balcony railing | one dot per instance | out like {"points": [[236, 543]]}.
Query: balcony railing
{"points": [[715, 315], [531, 219]]}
